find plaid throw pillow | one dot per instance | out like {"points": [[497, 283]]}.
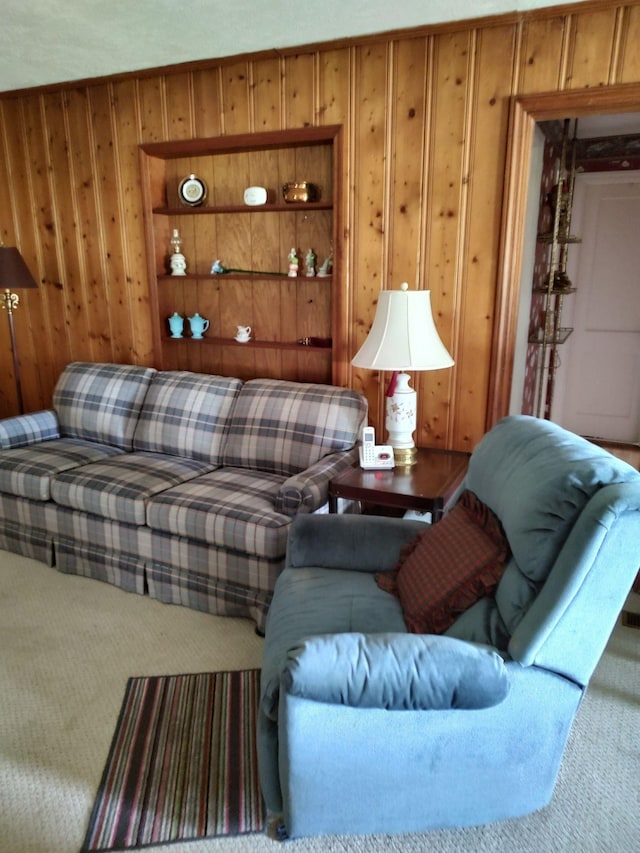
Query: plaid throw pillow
{"points": [[448, 567]]}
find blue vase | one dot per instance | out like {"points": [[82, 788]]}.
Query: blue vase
{"points": [[176, 324]]}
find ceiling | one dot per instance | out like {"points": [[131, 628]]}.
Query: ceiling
{"points": [[57, 41]]}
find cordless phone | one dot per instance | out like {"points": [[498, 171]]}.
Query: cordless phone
{"points": [[372, 455]]}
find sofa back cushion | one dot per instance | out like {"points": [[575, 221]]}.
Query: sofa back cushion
{"points": [[186, 414], [538, 479], [101, 402], [284, 427]]}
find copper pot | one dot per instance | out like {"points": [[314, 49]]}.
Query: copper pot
{"points": [[300, 191]]}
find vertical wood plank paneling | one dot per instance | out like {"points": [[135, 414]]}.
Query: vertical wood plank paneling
{"points": [[54, 283], [267, 94], [236, 106], [8, 400], [425, 132], [629, 55], [407, 122], [446, 221], [134, 315], [541, 55], [367, 223], [335, 85], [28, 317], [153, 117], [65, 222], [474, 314], [299, 90], [89, 231], [592, 42], [179, 101], [40, 336], [207, 109], [116, 288]]}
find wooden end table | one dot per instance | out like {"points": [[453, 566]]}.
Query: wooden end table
{"points": [[427, 486]]}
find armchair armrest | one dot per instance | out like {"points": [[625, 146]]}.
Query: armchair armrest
{"points": [[396, 672], [362, 543], [308, 490], [22, 430]]}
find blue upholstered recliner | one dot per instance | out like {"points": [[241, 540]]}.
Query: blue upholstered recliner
{"points": [[365, 728]]}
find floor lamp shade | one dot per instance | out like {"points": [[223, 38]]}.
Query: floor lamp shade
{"points": [[403, 337], [14, 275]]}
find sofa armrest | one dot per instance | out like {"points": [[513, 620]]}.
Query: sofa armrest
{"points": [[308, 490], [28, 429], [363, 543], [396, 672]]}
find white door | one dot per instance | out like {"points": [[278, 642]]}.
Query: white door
{"points": [[598, 382]]}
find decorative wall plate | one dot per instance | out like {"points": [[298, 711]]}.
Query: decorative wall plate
{"points": [[192, 191]]}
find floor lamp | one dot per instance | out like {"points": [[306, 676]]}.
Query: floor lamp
{"points": [[14, 275], [403, 337]]}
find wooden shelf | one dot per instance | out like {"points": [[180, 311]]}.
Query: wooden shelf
{"points": [[279, 207], [237, 276], [555, 291], [548, 238], [283, 310], [230, 342], [559, 338]]}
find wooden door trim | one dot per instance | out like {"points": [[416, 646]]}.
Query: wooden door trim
{"points": [[525, 111]]}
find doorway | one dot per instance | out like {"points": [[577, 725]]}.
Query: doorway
{"points": [[597, 390], [527, 111]]}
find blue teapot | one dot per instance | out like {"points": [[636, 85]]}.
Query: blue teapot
{"points": [[198, 325], [176, 325]]}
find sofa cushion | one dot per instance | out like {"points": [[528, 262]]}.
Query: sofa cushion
{"points": [[119, 489], [22, 430], [284, 427], [448, 567], [29, 471], [230, 508], [186, 414], [101, 402]]}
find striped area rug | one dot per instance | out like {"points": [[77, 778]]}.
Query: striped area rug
{"points": [[182, 763]]}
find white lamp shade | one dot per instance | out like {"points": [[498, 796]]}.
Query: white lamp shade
{"points": [[403, 335]]}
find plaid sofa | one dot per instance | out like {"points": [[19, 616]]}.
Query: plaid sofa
{"points": [[175, 484]]}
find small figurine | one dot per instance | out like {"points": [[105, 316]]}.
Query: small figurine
{"points": [[327, 265], [178, 264], [293, 263], [310, 263], [176, 241], [176, 324], [177, 260]]}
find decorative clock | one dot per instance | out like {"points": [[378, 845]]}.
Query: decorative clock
{"points": [[192, 191]]}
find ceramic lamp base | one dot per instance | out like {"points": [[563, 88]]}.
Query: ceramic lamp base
{"points": [[401, 421], [405, 456]]}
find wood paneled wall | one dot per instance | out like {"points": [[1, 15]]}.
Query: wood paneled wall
{"points": [[426, 116]]}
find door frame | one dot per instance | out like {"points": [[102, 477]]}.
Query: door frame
{"points": [[525, 112]]}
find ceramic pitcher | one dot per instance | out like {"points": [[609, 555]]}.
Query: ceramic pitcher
{"points": [[243, 334], [198, 325], [176, 325]]}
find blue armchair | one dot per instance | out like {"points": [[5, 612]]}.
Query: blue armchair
{"points": [[365, 728]]}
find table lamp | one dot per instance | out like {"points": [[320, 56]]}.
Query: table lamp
{"points": [[403, 337], [14, 275]]}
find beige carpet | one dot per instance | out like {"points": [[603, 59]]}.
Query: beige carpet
{"points": [[69, 644]]}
